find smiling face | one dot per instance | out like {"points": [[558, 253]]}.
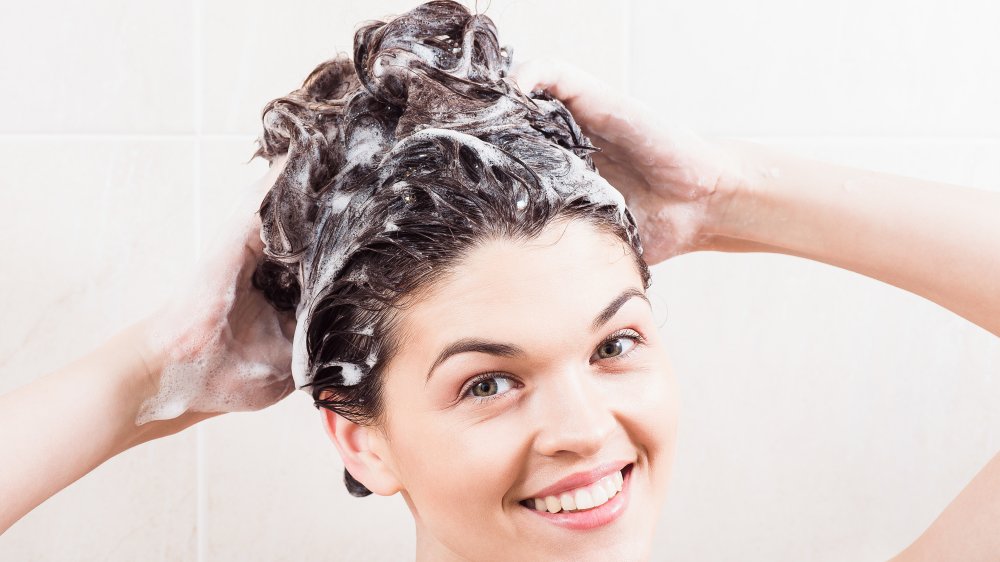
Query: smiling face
{"points": [[555, 367]]}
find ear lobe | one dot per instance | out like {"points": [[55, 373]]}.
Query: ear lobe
{"points": [[362, 451]]}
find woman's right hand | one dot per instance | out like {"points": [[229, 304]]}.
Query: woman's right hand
{"points": [[672, 179], [218, 345]]}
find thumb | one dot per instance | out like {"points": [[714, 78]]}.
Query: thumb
{"points": [[241, 223], [534, 74], [529, 75], [564, 81]]}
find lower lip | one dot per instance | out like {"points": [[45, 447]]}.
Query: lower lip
{"points": [[591, 518]]}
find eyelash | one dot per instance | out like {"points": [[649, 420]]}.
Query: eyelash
{"points": [[624, 333]]}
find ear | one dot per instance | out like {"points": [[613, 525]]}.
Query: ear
{"points": [[364, 452]]}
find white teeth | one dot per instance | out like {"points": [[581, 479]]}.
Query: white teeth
{"points": [[599, 493], [587, 497], [611, 487], [567, 501], [552, 503], [583, 499]]}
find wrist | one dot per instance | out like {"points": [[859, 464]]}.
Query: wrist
{"points": [[140, 384], [735, 208], [149, 362]]}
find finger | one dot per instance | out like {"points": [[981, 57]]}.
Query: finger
{"points": [[241, 224], [257, 195], [592, 103], [529, 75], [562, 80], [250, 202], [288, 322], [544, 74]]}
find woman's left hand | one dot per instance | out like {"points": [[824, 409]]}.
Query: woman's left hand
{"points": [[671, 178]]}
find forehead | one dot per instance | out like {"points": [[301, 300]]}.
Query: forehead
{"points": [[566, 274]]}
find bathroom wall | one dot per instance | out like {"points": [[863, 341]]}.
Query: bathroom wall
{"points": [[826, 416]]}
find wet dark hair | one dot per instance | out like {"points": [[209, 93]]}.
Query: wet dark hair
{"points": [[376, 203]]}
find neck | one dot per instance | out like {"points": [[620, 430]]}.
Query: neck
{"points": [[429, 549]]}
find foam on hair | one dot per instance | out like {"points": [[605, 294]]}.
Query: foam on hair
{"points": [[422, 118]]}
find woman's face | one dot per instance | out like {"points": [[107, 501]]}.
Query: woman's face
{"points": [[561, 383]]}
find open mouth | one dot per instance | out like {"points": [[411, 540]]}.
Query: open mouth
{"points": [[592, 498]]}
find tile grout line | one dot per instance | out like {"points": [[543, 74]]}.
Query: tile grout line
{"points": [[126, 136], [199, 525], [627, 47], [201, 498], [200, 136]]}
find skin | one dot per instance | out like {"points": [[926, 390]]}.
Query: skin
{"points": [[936, 240], [90, 405], [688, 194], [561, 408]]}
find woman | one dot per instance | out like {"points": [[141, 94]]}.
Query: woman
{"points": [[572, 377]]}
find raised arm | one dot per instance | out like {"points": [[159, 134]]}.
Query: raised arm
{"points": [[689, 193], [61, 426], [216, 346], [939, 241]]}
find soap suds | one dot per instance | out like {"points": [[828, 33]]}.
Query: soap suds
{"points": [[207, 366], [425, 103]]}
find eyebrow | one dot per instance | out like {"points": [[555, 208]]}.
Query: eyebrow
{"points": [[478, 345]]}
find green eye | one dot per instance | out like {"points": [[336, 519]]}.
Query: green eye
{"points": [[613, 346], [610, 349], [486, 386]]}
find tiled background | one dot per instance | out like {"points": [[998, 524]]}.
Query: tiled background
{"points": [[826, 416]]}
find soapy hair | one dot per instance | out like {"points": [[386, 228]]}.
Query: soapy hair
{"points": [[401, 161]]}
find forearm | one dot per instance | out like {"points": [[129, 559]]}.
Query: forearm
{"points": [[967, 529], [936, 240], [63, 425]]}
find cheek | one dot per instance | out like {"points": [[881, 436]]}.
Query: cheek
{"points": [[650, 389], [447, 468], [650, 405], [657, 415], [454, 473]]}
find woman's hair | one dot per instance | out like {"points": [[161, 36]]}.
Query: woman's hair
{"points": [[402, 161]]}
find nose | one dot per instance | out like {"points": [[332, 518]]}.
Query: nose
{"points": [[574, 414]]}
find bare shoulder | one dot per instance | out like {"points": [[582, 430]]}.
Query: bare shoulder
{"points": [[968, 529]]}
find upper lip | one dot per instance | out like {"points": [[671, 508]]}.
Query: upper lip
{"points": [[579, 479]]}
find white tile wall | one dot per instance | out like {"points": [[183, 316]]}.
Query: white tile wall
{"points": [[251, 54], [106, 66], [826, 416], [855, 67], [96, 230]]}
